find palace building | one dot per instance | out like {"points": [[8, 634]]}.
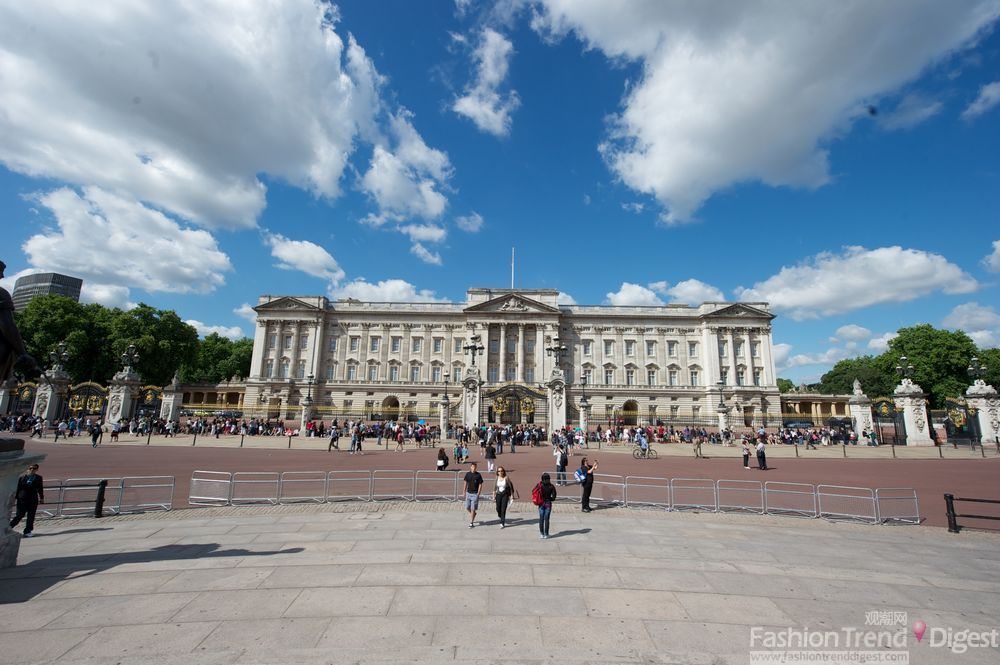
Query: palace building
{"points": [[513, 356]]}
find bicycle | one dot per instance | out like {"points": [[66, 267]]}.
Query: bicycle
{"points": [[639, 453]]}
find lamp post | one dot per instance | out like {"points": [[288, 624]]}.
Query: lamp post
{"points": [[585, 413], [904, 369], [557, 350], [307, 405], [722, 409], [474, 347], [445, 411], [129, 358], [976, 372], [57, 360]]}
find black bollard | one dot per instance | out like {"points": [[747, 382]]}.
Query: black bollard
{"points": [[949, 504], [99, 504]]}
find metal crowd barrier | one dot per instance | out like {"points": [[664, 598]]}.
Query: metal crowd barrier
{"points": [[73, 497], [141, 494], [899, 505]]}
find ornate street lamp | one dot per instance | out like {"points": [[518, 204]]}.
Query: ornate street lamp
{"points": [[59, 357], [307, 402], [904, 369], [475, 348], [130, 358], [976, 370], [557, 351]]}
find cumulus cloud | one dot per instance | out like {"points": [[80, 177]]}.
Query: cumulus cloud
{"points": [[633, 294], [828, 357], [980, 323], [114, 244], [399, 189], [483, 103], [232, 332], [304, 256], [989, 96], [992, 261], [634, 207], [470, 223], [755, 92], [689, 291], [831, 283], [565, 299], [425, 255], [108, 295], [851, 333], [780, 353], [389, 290], [880, 343], [912, 110], [246, 311]]}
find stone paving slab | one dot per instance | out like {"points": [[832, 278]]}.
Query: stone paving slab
{"points": [[410, 583]]}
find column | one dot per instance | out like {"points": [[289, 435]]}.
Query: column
{"points": [[539, 353], [520, 356], [259, 351], [732, 355], [503, 352], [343, 342], [748, 354]]}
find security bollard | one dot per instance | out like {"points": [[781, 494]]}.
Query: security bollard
{"points": [[949, 504], [99, 504]]}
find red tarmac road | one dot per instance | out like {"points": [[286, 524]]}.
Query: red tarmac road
{"points": [[930, 478]]}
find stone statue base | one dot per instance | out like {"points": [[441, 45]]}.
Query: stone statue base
{"points": [[13, 463]]}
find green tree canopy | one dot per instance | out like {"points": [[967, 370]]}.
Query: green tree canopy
{"points": [[869, 370], [219, 359], [785, 385]]}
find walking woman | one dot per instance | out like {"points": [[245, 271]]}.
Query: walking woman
{"points": [[542, 496], [442, 460], [503, 493], [746, 454]]}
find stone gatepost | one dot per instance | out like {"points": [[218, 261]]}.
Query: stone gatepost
{"points": [[50, 397], [13, 463], [585, 416], [860, 408], [983, 398], [122, 393], [910, 400], [443, 409], [7, 391], [471, 384], [172, 400], [556, 400]]}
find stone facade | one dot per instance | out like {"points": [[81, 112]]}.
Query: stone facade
{"points": [[640, 364]]}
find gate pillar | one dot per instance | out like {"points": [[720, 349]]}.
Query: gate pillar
{"points": [[983, 398], [121, 395], [50, 398], [471, 384], [860, 407], [173, 398], [909, 398], [557, 400]]}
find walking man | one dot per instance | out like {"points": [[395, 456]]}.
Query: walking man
{"points": [[542, 496], [697, 448], [761, 456], [587, 471], [473, 485], [29, 494]]}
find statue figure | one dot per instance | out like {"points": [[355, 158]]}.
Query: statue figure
{"points": [[857, 387], [12, 352]]}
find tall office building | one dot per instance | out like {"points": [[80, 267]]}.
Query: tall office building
{"points": [[43, 284]]}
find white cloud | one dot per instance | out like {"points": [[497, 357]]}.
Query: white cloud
{"points": [[980, 323], [424, 232], [304, 256], [246, 311], [204, 330], [389, 290], [851, 333], [425, 255], [780, 352], [633, 294], [634, 207], [835, 283], [828, 357], [400, 189], [586, 199], [182, 105], [881, 343], [992, 261], [114, 244], [912, 110], [108, 295], [754, 92], [470, 223], [689, 291], [989, 96], [565, 299], [482, 103]]}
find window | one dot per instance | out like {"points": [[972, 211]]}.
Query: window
{"points": [[672, 349], [494, 374], [374, 343], [609, 375], [694, 377], [652, 414], [588, 347], [456, 374], [352, 372], [693, 349], [511, 374], [348, 405], [394, 372], [529, 375], [674, 410], [373, 372], [458, 345], [650, 348], [739, 348], [436, 374], [630, 347], [673, 377], [494, 346], [331, 344], [511, 344], [396, 344], [588, 375], [724, 376], [414, 372], [268, 367], [722, 347], [529, 346], [329, 371], [740, 376], [417, 344], [650, 377], [355, 344], [756, 377], [272, 340], [287, 342], [283, 369], [300, 369], [695, 412], [438, 344], [304, 341], [609, 347], [755, 349]]}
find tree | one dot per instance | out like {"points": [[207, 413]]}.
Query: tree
{"points": [[164, 342], [869, 370], [785, 385], [940, 359], [991, 359], [51, 319], [219, 359]]}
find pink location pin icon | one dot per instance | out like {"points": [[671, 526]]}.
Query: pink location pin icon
{"points": [[919, 627]]}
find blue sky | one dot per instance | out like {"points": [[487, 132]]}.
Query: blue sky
{"points": [[838, 160]]}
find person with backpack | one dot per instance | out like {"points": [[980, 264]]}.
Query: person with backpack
{"points": [[543, 494], [585, 476], [503, 492]]}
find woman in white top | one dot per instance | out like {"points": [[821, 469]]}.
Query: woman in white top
{"points": [[502, 494]]}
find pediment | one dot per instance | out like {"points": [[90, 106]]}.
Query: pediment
{"points": [[737, 311], [512, 304], [284, 304]]}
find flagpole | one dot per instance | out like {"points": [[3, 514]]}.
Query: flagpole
{"points": [[512, 268]]}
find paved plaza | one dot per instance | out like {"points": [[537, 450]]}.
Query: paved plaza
{"points": [[410, 583]]}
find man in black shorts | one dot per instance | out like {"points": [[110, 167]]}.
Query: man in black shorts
{"points": [[473, 485]]}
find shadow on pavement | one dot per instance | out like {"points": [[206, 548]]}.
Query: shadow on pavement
{"points": [[63, 533], [575, 532], [56, 569]]}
